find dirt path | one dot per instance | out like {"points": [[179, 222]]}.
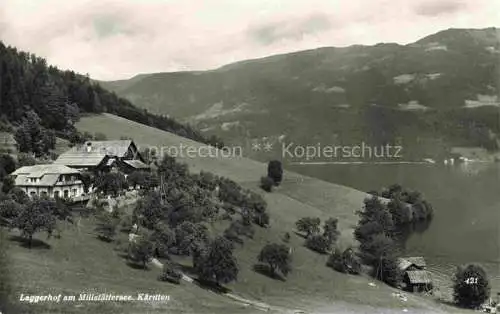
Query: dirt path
{"points": [[255, 304]]}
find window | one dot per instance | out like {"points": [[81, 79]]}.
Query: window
{"points": [[32, 194], [56, 194], [73, 192], [66, 193]]}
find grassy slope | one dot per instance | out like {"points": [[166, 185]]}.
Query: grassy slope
{"points": [[83, 262]]}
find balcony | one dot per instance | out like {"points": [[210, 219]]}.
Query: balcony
{"points": [[68, 182]]}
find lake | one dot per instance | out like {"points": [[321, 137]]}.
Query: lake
{"points": [[466, 201]]}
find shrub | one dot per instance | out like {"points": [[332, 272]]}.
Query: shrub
{"points": [[170, 274], [308, 225], [318, 243], [266, 183], [261, 219], [275, 171], [345, 262]]}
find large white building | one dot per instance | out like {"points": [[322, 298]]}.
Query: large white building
{"points": [[49, 180]]}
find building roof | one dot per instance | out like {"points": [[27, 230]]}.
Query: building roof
{"points": [[136, 164], [111, 148], [92, 153], [406, 262], [48, 174], [39, 170], [46, 180], [419, 276], [80, 158]]}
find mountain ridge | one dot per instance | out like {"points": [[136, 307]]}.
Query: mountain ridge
{"points": [[445, 83]]}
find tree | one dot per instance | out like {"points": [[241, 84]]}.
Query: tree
{"points": [[189, 236], [330, 230], [111, 183], [266, 183], [401, 212], [19, 196], [275, 171], [8, 184], [163, 238], [7, 163], [141, 251], [9, 210], [471, 286], [106, 226], [218, 264], [149, 210], [36, 216], [318, 243], [308, 225], [277, 257]]}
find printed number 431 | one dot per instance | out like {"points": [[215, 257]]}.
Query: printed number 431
{"points": [[471, 281]]}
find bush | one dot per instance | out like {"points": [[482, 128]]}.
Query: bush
{"points": [[170, 274], [345, 262], [266, 183], [318, 243], [275, 171], [261, 219], [308, 225]]}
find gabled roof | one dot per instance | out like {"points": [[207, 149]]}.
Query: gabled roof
{"points": [[81, 158], [419, 277], [92, 153]]}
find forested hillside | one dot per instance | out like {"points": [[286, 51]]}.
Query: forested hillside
{"points": [[41, 101], [439, 91]]}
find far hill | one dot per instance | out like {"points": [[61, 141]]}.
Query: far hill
{"points": [[439, 91]]}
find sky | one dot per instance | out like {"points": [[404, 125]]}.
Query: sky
{"points": [[118, 39]]}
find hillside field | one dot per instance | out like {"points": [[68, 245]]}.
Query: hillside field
{"points": [[78, 261]]}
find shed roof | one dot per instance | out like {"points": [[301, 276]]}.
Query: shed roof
{"points": [[136, 164], [419, 277], [406, 262]]}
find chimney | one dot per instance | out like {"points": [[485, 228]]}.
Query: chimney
{"points": [[89, 147]]}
